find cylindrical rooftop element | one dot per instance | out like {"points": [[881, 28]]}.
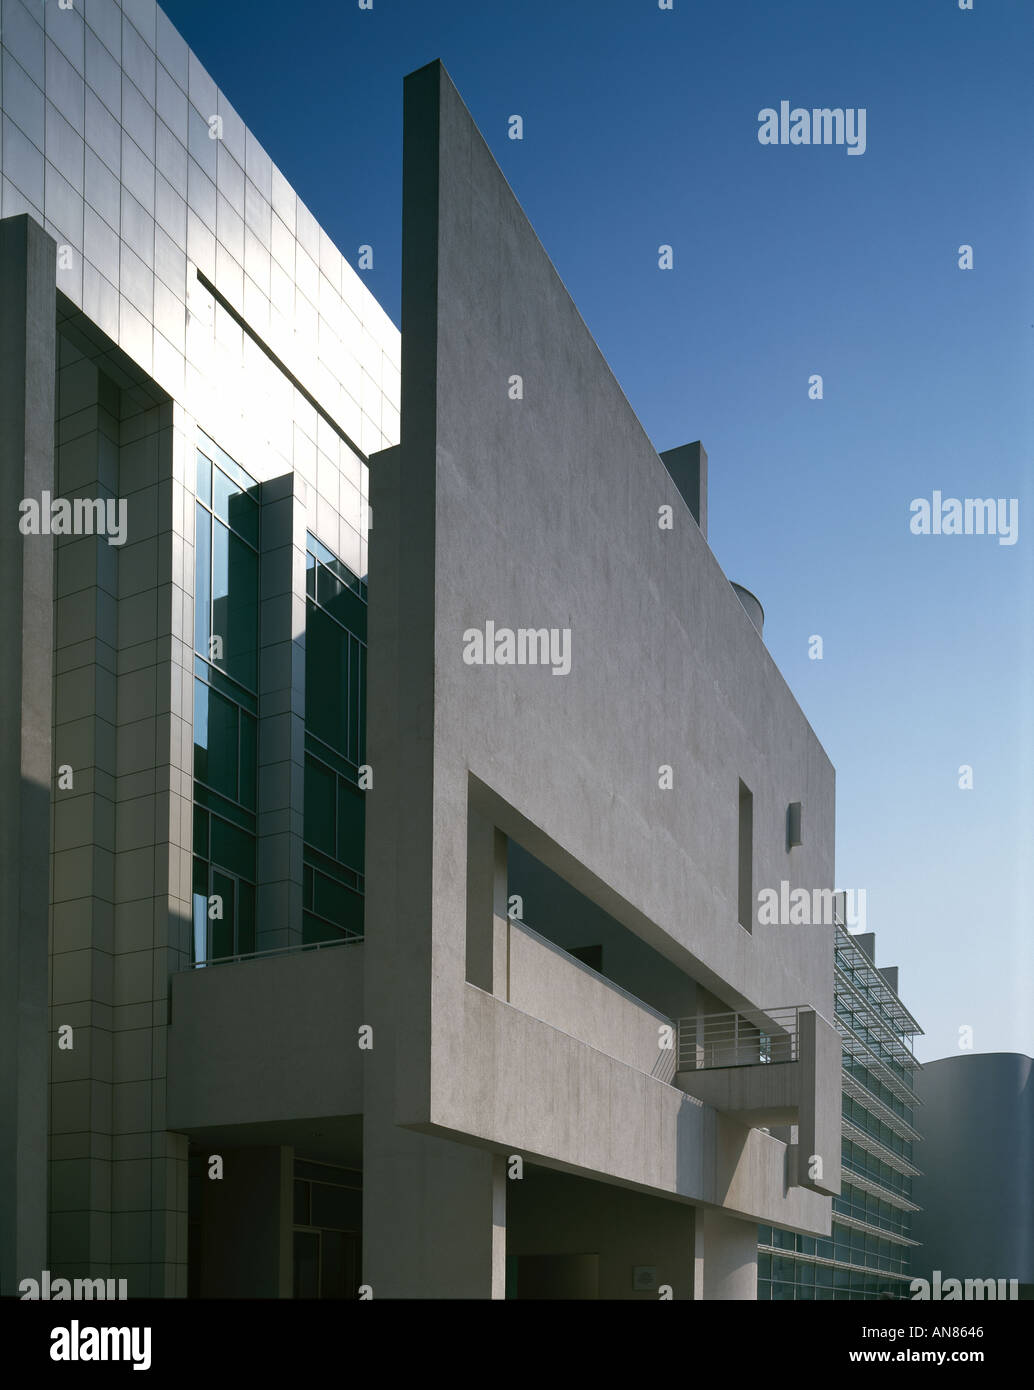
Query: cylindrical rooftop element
{"points": [[752, 605]]}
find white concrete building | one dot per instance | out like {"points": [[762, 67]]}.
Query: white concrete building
{"points": [[453, 967]]}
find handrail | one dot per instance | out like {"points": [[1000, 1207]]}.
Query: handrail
{"points": [[739, 1038], [273, 951]]}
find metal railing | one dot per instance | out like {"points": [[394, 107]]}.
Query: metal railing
{"points": [[743, 1038], [273, 951]]}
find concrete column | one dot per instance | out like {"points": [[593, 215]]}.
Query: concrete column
{"points": [[726, 1257], [83, 915], [281, 737], [27, 370], [152, 849], [246, 1225], [434, 1215], [820, 1053]]}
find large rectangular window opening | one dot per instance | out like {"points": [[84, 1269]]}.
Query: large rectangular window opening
{"points": [[335, 747], [745, 859], [226, 608]]}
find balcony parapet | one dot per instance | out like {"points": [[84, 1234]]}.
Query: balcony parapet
{"points": [[778, 1066]]}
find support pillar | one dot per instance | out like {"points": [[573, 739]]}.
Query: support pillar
{"points": [[28, 334], [281, 742], [434, 1216], [726, 1257]]}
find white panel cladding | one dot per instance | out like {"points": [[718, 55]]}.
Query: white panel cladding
{"points": [[108, 133]]}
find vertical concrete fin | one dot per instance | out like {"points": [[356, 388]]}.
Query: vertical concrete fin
{"points": [[820, 1051], [688, 468]]}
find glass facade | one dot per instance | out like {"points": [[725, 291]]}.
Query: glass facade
{"points": [[226, 609], [335, 747], [226, 645], [328, 1223], [867, 1255]]}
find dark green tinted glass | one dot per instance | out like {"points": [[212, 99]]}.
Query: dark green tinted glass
{"points": [[233, 849], [222, 929], [319, 806], [201, 832], [339, 904], [355, 698], [215, 741], [340, 1208], [340, 600], [313, 930], [235, 604], [248, 759], [202, 580], [326, 683], [351, 825]]}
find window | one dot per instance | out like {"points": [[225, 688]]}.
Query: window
{"points": [[327, 1231], [335, 747], [746, 859], [335, 649], [226, 567], [223, 888], [226, 599], [225, 746], [589, 955]]}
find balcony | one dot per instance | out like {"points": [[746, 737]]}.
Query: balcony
{"points": [[266, 1039], [745, 1039], [770, 1067], [546, 981]]}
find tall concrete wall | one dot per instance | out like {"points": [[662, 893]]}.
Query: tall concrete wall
{"points": [[535, 504]]}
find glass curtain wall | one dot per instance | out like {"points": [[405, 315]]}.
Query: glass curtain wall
{"points": [[226, 612], [335, 747]]}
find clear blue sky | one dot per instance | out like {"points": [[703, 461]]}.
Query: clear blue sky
{"points": [[641, 129]]}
